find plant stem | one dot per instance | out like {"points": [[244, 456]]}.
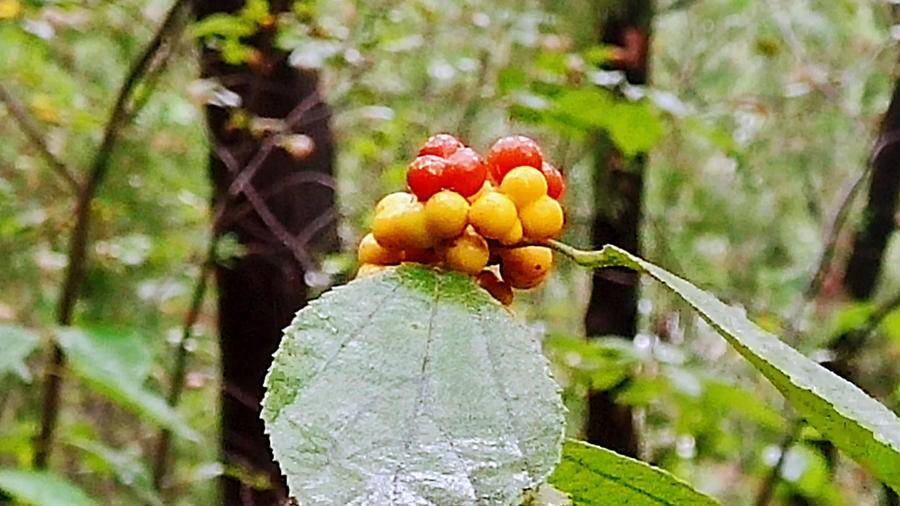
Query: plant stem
{"points": [[30, 128], [78, 242], [180, 369]]}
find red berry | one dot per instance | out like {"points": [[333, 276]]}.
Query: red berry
{"points": [[426, 175], [442, 145], [514, 151], [556, 185], [466, 172]]}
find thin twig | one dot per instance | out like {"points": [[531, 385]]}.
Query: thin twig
{"points": [[262, 210], [120, 115], [839, 219], [181, 354], [31, 130]]}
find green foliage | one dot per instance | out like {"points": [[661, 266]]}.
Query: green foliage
{"points": [[114, 367], [41, 488], [410, 386], [17, 343], [592, 475], [127, 469], [857, 424]]}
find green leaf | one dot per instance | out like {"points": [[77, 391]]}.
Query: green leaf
{"points": [[634, 126], [127, 468], [42, 488], [859, 425], [223, 25], [594, 475], [17, 343], [96, 362], [411, 386]]}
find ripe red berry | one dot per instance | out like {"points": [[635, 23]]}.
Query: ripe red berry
{"points": [[514, 151], [426, 175], [466, 172], [442, 145], [556, 185]]}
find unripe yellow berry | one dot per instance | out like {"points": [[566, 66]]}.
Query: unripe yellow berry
{"points": [[486, 187], [513, 236], [446, 213], [394, 199], [526, 267], [369, 269], [467, 253], [370, 252], [493, 215], [524, 185], [402, 227], [542, 219]]}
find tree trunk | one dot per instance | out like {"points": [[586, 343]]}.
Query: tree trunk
{"points": [[259, 293], [618, 184]]}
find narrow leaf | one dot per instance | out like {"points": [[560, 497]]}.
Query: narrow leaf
{"points": [[42, 488], [411, 387], [94, 363], [859, 425], [594, 475]]}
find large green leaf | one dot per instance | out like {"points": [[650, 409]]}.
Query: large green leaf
{"points": [[17, 343], [99, 365], [412, 386], [593, 475], [42, 488], [863, 428]]}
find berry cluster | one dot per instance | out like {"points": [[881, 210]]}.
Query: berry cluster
{"points": [[465, 213]]}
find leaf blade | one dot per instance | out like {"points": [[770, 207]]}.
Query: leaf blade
{"points": [[859, 425], [43, 488], [108, 375], [594, 475], [402, 430]]}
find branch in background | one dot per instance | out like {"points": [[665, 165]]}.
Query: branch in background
{"points": [[839, 219], [181, 354], [77, 251], [30, 128]]}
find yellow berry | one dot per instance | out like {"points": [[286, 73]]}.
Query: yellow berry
{"points": [[542, 219], [526, 267], [513, 236], [467, 253], [524, 185], [369, 269], [394, 199], [493, 215], [486, 187], [370, 252], [402, 227], [499, 289], [446, 213]]}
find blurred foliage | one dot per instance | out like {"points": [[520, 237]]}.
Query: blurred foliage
{"points": [[758, 117]]}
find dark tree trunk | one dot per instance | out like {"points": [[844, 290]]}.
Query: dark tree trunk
{"points": [[618, 184], [259, 293], [865, 262]]}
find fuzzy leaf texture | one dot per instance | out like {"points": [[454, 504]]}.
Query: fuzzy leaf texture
{"points": [[412, 386], [860, 426], [591, 475]]}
